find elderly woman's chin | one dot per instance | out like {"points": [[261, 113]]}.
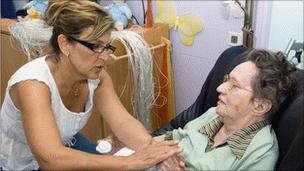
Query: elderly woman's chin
{"points": [[220, 107]]}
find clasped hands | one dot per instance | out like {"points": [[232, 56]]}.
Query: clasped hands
{"points": [[175, 162]]}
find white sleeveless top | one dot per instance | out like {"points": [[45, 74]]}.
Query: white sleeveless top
{"points": [[15, 153]]}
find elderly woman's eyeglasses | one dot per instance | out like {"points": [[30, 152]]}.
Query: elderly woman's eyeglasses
{"points": [[97, 48], [232, 85]]}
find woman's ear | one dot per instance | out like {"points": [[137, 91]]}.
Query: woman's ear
{"points": [[63, 44], [261, 106]]}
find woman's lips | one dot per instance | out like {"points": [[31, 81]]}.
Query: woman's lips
{"points": [[220, 101], [99, 67]]}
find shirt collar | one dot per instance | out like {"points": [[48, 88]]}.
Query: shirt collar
{"points": [[237, 142]]}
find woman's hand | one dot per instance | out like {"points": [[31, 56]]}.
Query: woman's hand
{"points": [[159, 138], [175, 162], [151, 154]]}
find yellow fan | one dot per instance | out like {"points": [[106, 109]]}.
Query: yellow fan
{"points": [[188, 25]]}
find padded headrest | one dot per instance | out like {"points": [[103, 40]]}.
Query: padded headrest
{"points": [[289, 125], [292, 107]]}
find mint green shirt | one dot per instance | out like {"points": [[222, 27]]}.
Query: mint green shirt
{"points": [[252, 148]]}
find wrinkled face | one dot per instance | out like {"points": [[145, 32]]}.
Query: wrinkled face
{"points": [[87, 58], [235, 93]]}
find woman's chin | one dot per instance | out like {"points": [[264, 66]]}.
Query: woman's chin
{"points": [[93, 76], [219, 108]]}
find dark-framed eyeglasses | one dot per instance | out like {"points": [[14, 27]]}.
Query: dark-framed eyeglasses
{"points": [[97, 48]]}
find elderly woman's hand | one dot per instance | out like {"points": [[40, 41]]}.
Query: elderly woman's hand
{"points": [[151, 154], [175, 162]]}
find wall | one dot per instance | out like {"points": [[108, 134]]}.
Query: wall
{"points": [[191, 64], [286, 22], [278, 22]]}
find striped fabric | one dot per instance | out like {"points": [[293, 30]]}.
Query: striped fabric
{"points": [[168, 136], [239, 141]]}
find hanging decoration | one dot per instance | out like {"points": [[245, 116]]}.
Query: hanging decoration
{"points": [[141, 68], [187, 25], [32, 35]]}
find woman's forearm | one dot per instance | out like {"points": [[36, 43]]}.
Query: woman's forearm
{"points": [[132, 134], [129, 130], [70, 159]]}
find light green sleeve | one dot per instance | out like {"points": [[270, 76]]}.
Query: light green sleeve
{"points": [[264, 161]]}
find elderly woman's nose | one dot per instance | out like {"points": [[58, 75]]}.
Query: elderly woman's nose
{"points": [[219, 88], [222, 88]]}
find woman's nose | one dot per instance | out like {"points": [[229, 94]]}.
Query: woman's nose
{"points": [[222, 88], [104, 56]]}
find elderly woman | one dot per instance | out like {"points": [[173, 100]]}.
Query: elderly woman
{"points": [[237, 134], [49, 99]]}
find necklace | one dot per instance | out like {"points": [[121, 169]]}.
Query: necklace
{"points": [[75, 90]]}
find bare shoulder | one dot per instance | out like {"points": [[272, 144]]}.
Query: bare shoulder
{"points": [[105, 81], [104, 76], [105, 92], [28, 92], [33, 99]]}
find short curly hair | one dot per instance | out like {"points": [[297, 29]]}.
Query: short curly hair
{"points": [[276, 79]]}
